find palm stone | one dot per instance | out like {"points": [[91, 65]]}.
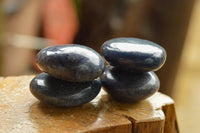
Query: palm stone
{"points": [[72, 62], [133, 54], [129, 87], [62, 93]]}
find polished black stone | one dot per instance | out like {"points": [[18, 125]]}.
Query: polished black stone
{"points": [[63, 93], [129, 87], [71, 62], [133, 54]]}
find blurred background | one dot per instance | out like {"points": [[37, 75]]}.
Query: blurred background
{"points": [[26, 26]]}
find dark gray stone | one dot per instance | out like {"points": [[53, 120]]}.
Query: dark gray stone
{"points": [[129, 87], [133, 54], [63, 93], [71, 62]]}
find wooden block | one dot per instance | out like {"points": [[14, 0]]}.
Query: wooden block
{"points": [[21, 112]]}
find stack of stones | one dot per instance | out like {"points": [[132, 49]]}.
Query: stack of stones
{"points": [[70, 75], [130, 76]]}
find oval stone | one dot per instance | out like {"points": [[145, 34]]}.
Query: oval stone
{"points": [[63, 93], [129, 87], [71, 62], [133, 54]]}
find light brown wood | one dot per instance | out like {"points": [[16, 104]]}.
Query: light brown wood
{"points": [[21, 112]]}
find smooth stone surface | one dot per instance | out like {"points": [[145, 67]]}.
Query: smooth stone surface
{"points": [[129, 87], [71, 62], [133, 54], [63, 93]]}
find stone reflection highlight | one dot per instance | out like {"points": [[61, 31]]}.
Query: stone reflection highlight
{"points": [[71, 62], [129, 87], [129, 77], [70, 75], [136, 55]]}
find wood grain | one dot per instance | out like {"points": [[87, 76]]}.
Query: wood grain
{"points": [[21, 112]]}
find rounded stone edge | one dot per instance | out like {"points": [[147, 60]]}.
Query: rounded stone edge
{"points": [[123, 99], [67, 79], [56, 102], [148, 41]]}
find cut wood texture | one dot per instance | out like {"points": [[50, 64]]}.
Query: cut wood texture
{"points": [[23, 113]]}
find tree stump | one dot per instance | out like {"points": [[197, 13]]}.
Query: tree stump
{"points": [[21, 112]]}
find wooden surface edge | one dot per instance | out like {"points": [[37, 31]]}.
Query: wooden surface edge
{"points": [[171, 124], [152, 125], [126, 128], [156, 114], [149, 127], [167, 124]]}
